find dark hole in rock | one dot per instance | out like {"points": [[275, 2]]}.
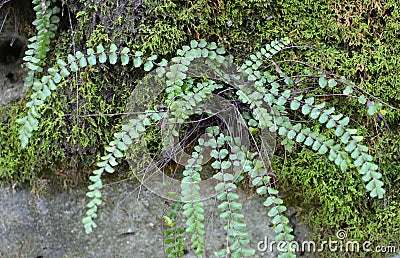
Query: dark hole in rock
{"points": [[11, 53], [10, 76]]}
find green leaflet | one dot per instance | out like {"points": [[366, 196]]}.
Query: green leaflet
{"points": [[322, 82]]}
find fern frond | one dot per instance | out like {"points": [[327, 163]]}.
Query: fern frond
{"points": [[46, 25], [237, 240], [43, 88], [193, 209], [349, 145], [174, 235], [115, 150]]}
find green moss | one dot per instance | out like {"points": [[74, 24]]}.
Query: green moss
{"points": [[15, 164], [356, 39], [334, 200]]}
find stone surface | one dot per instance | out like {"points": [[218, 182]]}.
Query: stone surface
{"points": [[129, 224], [11, 72], [12, 48]]}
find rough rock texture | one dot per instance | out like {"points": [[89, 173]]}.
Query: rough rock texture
{"points": [[12, 48], [51, 226]]}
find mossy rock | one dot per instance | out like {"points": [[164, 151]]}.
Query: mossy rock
{"points": [[356, 39]]}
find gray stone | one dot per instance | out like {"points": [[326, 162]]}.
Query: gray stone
{"points": [[12, 49], [129, 224]]}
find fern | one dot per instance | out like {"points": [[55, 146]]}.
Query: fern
{"points": [[260, 179], [284, 127], [271, 100], [174, 234], [46, 26], [48, 83], [237, 240], [115, 150], [193, 208]]}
